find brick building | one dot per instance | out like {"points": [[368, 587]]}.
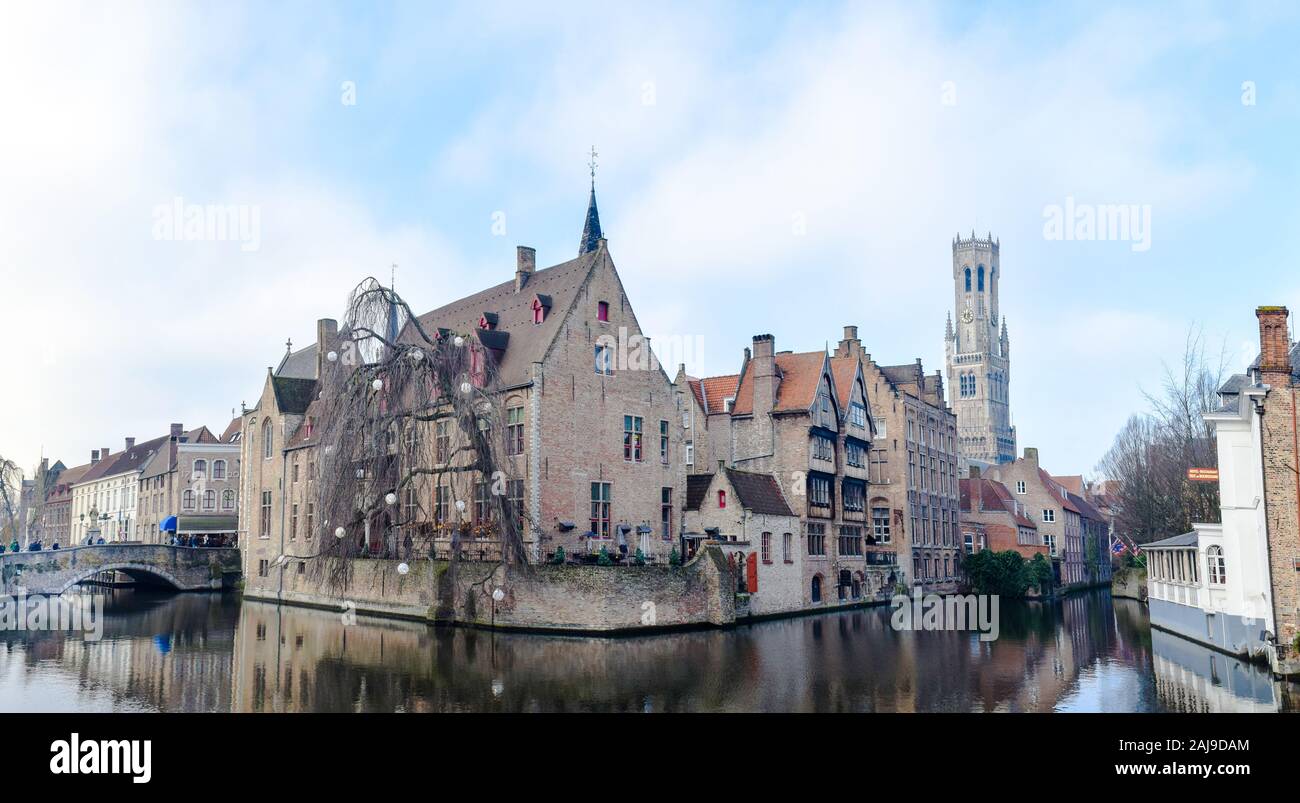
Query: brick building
{"points": [[190, 487], [747, 513], [987, 507], [913, 467], [595, 426], [803, 419], [1276, 369]]}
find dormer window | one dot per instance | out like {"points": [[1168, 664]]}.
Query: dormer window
{"points": [[488, 320], [602, 311], [539, 312]]}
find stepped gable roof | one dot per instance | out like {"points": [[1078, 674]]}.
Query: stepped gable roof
{"points": [[798, 376], [525, 342]]}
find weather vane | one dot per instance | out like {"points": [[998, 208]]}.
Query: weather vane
{"points": [[592, 164]]}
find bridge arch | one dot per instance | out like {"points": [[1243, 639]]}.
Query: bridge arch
{"points": [[136, 571]]}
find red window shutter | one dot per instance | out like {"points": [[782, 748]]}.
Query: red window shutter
{"points": [[751, 573]]}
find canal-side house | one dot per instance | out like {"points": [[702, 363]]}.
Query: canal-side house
{"points": [[804, 419], [748, 515], [594, 427], [1058, 519], [105, 499], [988, 509], [1213, 585], [190, 489], [58, 506], [913, 467]]}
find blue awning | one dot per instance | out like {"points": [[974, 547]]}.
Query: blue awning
{"points": [[168, 525]]}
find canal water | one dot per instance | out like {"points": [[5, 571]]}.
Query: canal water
{"points": [[206, 652]]}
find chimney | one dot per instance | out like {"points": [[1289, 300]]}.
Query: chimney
{"points": [[1031, 454], [327, 332], [764, 368], [94, 456], [176, 431], [525, 264], [103, 453], [130, 442], [974, 472], [850, 346], [1274, 345]]}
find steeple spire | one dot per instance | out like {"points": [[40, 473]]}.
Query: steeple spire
{"points": [[591, 234]]}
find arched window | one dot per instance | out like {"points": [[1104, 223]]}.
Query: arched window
{"points": [[968, 280], [218, 469], [200, 469], [266, 438], [1218, 568], [722, 498], [816, 590], [209, 500], [981, 278]]}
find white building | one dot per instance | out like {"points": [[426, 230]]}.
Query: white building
{"points": [[1212, 585]]}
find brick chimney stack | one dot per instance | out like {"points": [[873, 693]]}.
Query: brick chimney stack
{"points": [[103, 453], [176, 431], [130, 443], [525, 264], [764, 368], [327, 332], [1031, 455], [850, 346], [1274, 344]]}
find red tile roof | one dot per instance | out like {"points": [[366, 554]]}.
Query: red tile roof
{"points": [[798, 376], [845, 370], [716, 390]]}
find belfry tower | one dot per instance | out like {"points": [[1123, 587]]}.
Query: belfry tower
{"points": [[979, 355]]}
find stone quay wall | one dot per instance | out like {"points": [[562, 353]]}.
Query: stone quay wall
{"points": [[604, 599]]}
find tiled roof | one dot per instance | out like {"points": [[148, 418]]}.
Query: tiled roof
{"points": [[235, 426], [697, 485], [1085, 508], [528, 342], [300, 364], [798, 376], [292, 395], [716, 390], [994, 496], [1058, 493], [759, 493], [1072, 482], [845, 370]]}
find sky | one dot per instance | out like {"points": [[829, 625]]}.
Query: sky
{"points": [[762, 168]]}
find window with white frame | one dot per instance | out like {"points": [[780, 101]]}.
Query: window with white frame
{"points": [[1049, 515]]}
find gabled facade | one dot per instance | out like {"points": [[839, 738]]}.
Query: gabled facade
{"points": [[1001, 519], [594, 428], [804, 419], [748, 515], [190, 488], [913, 467]]}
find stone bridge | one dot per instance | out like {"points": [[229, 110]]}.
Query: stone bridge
{"points": [[179, 567]]}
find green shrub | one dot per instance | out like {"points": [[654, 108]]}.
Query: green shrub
{"points": [[558, 560], [674, 558], [639, 558], [603, 558]]}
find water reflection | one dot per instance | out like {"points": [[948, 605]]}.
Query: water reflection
{"points": [[214, 653]]}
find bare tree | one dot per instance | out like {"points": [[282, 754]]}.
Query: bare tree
{"points": [[1151, 454], [412, 452], [11, 488]]}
